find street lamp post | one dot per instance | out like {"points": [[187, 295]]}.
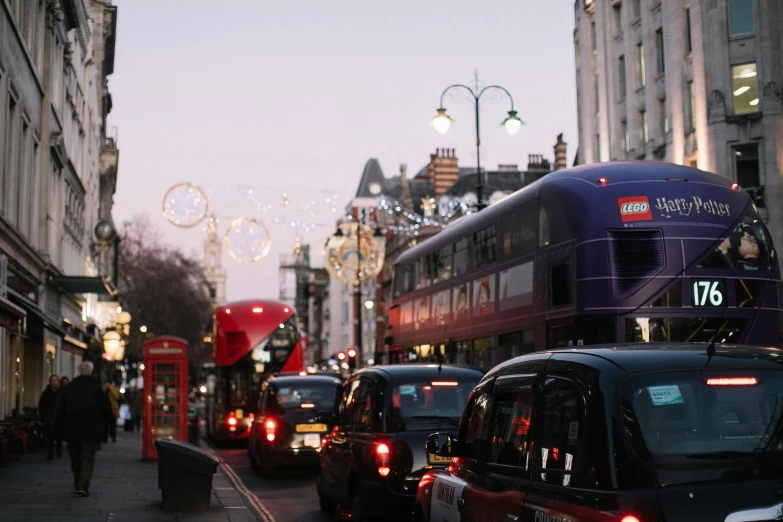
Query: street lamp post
{"points": [[442, 122]]}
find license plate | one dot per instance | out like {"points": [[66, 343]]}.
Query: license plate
{"points": [[312, 440], [239, 414], [437, 459], [311, 428]]}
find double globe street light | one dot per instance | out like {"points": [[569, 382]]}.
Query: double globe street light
{"points": [[442, 122]]}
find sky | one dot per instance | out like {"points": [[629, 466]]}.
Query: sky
{"points": [[295, 96]]}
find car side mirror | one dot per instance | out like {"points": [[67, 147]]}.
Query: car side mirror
{"points": [[440, 444]]}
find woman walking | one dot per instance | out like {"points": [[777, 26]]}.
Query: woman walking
{"points": [[46, 405]]}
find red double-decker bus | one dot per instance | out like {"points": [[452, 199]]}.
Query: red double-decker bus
{"points": [[252, 340]]}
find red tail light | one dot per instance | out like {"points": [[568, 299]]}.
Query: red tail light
{"points": [[232, 421], [270, 426], [732, 381], [629, 518], [382, 459]]}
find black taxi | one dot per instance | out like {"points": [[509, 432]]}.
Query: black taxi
{"points": [[373, 459], [293, 414], [632, 433]]}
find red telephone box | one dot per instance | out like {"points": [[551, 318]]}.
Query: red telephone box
{"points": [[165, 392]]}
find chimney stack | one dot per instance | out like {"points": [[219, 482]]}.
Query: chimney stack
{"points": [[560, 153], [443, 170], [537, 163]]}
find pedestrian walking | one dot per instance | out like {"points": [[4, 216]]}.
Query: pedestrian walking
{"points": [[46, 406], [137, 407], [113, 393], [64, 380], [81, 414]]}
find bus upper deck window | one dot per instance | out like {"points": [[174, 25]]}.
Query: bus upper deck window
{"points": [[543, 226], [748, 247]]}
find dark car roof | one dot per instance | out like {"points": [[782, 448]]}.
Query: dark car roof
{"points": [[652, 357], [397, 372], [304, 379]]}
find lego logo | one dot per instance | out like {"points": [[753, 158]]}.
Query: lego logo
{"points": [[635, 208]]}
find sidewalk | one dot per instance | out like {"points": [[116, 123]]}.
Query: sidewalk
{"points": [[123, 488]]}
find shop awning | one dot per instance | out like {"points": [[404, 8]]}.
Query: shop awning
{"points": [[86, 284], [10, 315], [37, 317]]}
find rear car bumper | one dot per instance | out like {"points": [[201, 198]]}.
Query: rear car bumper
{"points": [[293, 456], [224, 432]]}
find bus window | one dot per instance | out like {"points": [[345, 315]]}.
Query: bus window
{"points": [[462, 256], [683, 329], [441, 264], [484, 246], [543, 226], [592, 329], [516, 343], [749, 247]]}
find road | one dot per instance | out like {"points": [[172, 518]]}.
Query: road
{"points": [[288, 494]]}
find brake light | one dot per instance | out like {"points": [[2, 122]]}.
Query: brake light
{"points": [[307, 405], [270, 426], [232, 421], [732, 381], [258, 310], [382, 459], [734, 186], [445, 383], [630, 518], [250, 418]]}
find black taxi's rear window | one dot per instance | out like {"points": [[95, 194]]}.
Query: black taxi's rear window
{"points": [[690, 416]]}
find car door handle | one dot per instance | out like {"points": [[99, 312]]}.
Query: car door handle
{"points": [[461, 505], [511, 518]]}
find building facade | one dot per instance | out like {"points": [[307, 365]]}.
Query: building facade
{"points": [[689, 82], [58, 170]]}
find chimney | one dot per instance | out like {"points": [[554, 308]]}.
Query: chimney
{"points": [[560, 153], [537, 163], [443, 170], [405, 189]]}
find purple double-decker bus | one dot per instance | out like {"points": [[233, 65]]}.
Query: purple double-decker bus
{"points": [[603, 253]]}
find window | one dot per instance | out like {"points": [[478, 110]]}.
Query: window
{"points": [[740, 16], [680, 329], [664, 117], [519, 232], [621, 76], [674, 419], [688, 41], [12, 160], [691, 100], [461, 256], [637, 9], [543, 227], [514, 344], [618, 18], [597, 95], [347, 408], [562, 454], [746, 165], [367, 419], [423, 272], [660, 63], [593, 37], [744, 87], [441, 262], [484, 242], [560, 285], [474, 433], [510, 434], [640, 64], [748, 247], [626, 137], [643, 135], [597, 151]]}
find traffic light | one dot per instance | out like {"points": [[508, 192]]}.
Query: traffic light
{"points": [[340, 356], [352, 358]]}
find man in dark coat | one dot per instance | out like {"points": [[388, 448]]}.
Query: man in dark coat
{"points": [[46, 405], [81, 413]]}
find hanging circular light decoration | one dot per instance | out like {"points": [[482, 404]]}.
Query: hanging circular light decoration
{"points": [[185, 205], [247, 240], [354, 253]]}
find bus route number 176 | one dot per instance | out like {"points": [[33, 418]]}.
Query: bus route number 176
{"points": [[709, 292]]}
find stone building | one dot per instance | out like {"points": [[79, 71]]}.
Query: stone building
{"points": [[689, 82], [58, 170]]}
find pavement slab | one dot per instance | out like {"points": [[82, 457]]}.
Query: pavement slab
{"points": [[124, 488]]}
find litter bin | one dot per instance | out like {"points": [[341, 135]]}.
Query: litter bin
{"points": [[194, 435], [184, 475]]}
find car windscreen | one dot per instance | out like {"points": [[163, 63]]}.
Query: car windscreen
{"points": [[688, 417], [308, 396], [430, 400]]}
